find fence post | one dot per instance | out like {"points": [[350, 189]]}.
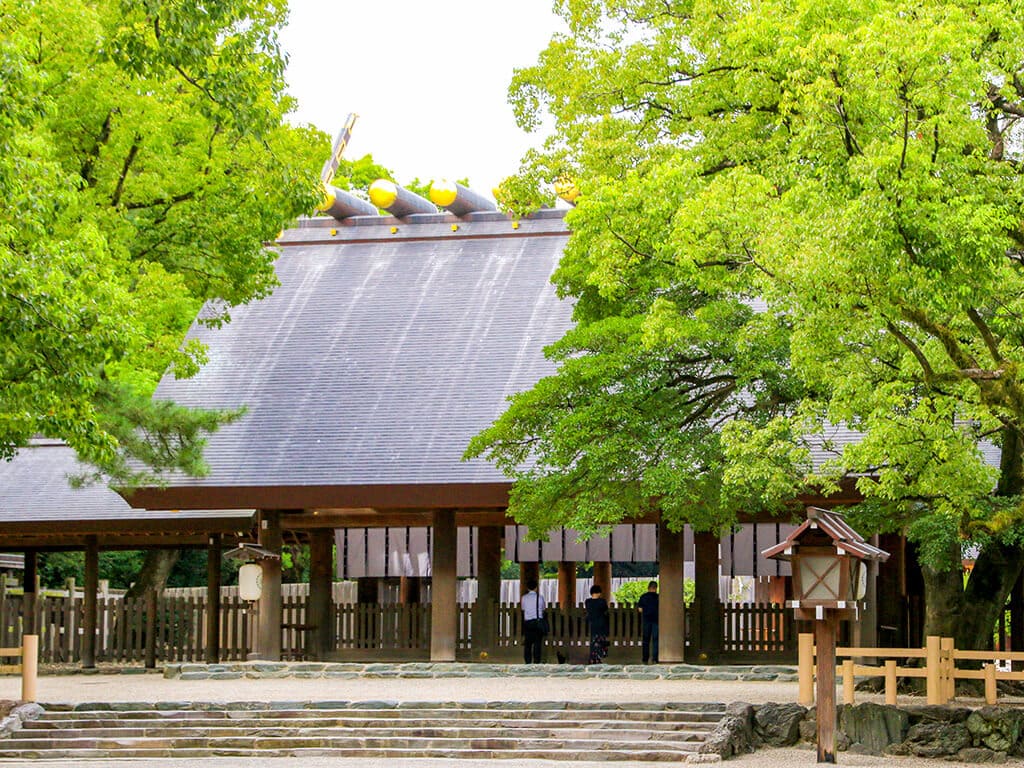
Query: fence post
{"points": [[990, 684], [151, 628], [949, 669], [848, 681], [933, 669], [29, 666], [890, 681], [806, 668]]}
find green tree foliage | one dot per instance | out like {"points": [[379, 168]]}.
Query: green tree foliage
{"points": [[144, 163], [793, 215], [629, 593]]}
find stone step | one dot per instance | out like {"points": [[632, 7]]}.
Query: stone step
{"points": [[425, 730], [644, 715], [592, 755], [152, 727], [541, 730], [356, 720], [114, 746]]}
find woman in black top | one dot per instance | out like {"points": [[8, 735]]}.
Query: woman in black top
{"points": [[597, 619]]}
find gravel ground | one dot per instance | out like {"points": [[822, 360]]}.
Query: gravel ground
{"points": [[98, 688]]}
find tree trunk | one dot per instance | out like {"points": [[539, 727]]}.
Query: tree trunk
{"points": [[943, 600], [155, 570], [988, 588], [998, 565]]}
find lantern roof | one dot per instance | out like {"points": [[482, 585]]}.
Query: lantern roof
{"points": [[834, 525]]}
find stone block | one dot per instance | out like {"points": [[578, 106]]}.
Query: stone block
{"points": [[778, 725], [873, 726]]}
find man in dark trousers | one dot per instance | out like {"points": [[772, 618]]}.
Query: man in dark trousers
{"points": [[533, 606], [648, 605]]}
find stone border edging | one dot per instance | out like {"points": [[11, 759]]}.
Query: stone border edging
{"points": [[14, 719], [424, 670], [989, 734]]}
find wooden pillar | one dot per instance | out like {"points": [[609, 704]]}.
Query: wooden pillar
{"points": [[213, 581], [603, 578], [566, 584], [671, 611], [528, 572], [320, 603], [30, 578], [825, 640], [444, 610], [367, 589], [409, 590], [1016, 618], [709, 639], [488, 593], [151, 609], [268, 635], [91, 587]]}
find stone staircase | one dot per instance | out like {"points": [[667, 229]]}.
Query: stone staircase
{"points": [[548, 730]]}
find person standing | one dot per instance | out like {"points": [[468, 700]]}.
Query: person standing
{"points": [[597, 619], [648, 605], [533, 606]]}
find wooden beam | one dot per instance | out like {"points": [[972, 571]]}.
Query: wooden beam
{"points": [[671, 612], [443, 583], [92, 583], [213, 581], [268, 642]]}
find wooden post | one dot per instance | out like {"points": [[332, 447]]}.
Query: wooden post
{"points": [[213, 581], [933, 669], [671, 611], [151, 607], [444, 618], [825, 631], [890, 682], [408, 590], [268, 636], [566, 584], [709, 642], [805, 668], [948, 669], [488, 593], [603, 578], [70, 628], [990, 683], [1017, 620], [320, 603], [848, 682], [92, 582], [528, 572], [29, 666], [28, 605]]}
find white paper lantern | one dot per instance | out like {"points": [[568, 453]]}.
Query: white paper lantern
{"points": [[250, 581]]}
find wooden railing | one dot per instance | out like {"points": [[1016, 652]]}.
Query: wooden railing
{"points": [[129, 631], [939, 669]]}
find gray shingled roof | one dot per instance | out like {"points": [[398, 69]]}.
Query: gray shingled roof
{"points": [[35, 488], [380, 354]]}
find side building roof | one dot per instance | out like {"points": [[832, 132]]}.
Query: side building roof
{"points": [[387, 346], [39, 508]]}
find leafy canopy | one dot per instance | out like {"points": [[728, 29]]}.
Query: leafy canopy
{"points": [[144, 163], [794, 214]]}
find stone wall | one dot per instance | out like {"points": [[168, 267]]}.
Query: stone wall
{"points": [[987, 735]]}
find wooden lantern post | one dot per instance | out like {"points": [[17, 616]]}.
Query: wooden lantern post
{"points": [[829, 561]]}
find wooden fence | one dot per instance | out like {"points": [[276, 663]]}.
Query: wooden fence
{"points": [[178, 628], [938, 668]]}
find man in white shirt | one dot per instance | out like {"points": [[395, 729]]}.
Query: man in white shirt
{"points": [[533, 606]]}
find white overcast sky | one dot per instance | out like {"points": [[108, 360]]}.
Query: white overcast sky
{"points": [[429, 80]]}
